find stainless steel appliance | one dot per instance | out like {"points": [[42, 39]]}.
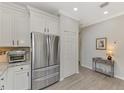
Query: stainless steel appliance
{"points": [[45, 60], [16, 56]]}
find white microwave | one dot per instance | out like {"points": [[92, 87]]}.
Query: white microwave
{"points": [[16, 56]]}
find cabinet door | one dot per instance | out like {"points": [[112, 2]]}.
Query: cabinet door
{"points": [[37, 22], [6, 29], [21, 80], [3, 81], [21, 32], [18, 78], [52, 26], [10, 78]]}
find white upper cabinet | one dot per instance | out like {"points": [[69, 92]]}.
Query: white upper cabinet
{"points": [[37, 22], [43, 22], [52, 26], [22, 34], [16, 25], [14, 28], [6, 29]]}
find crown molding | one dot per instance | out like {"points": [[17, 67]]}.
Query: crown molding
{"points": [[12, 6], [39, 11], [68, 15], [102, 20]]}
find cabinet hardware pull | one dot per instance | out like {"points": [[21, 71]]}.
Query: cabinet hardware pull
{"points": [[2, 87], [27, 73], [13, 42], [44, 29], [47, 29], [2, 78], [17, 42], [21, 68]]}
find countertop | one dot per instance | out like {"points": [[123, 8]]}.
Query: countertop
{"points": [[3, 68], [5, 65]]}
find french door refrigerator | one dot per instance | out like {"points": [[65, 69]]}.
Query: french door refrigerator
{"points": [[45, 65]]}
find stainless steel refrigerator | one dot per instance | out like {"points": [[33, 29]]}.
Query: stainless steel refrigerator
{"points": [[45, 60]]}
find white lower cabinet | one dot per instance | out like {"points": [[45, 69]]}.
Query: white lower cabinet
{"points": [[21, 80], [18, 78], [3, 81]]}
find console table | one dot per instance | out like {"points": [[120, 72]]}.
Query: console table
{"points": [[97, 60]]}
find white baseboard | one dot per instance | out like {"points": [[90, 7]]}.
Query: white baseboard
{"points": [[77, 72], [116, 76], [61, 79], [119, 77]]}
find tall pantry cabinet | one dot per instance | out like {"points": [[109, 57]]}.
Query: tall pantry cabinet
{"points": [[69, 46]]}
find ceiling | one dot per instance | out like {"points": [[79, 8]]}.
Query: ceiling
{"points": [[88, 12]]}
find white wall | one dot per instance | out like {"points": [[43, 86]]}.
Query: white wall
{"points": [[69, 46], [113, 29]]}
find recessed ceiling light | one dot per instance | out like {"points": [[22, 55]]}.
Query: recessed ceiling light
{"points": [[105, 12], [75, 9]]}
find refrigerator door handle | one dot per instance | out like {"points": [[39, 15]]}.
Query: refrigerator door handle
{"points": [[48, 50], [58, 52], [33, 50]]}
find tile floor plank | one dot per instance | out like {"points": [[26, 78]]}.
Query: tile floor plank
{"points": [[88, 80]]}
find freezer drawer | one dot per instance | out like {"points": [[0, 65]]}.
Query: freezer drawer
{"points": [[53, 79], [39, 83], [39, 73], [53, 69], [45, 81]]}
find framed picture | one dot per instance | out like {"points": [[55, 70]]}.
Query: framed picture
{"points": [[101, 43]]}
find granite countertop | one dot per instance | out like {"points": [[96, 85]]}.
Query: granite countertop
{"points": [[5, 65], [18, 64]]}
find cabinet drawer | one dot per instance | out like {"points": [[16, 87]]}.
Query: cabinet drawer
{"points": [[22, 67]]}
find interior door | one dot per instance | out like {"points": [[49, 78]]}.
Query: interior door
{"points": [[39, 50], [69, 52], [54, 50]]}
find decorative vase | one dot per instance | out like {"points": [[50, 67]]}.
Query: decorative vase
{"points": [[109, 58]]}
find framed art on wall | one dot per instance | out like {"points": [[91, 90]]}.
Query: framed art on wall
{"points": [[101, 43]]}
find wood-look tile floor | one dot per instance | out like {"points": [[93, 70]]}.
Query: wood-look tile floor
{"points": [[88, 80]]}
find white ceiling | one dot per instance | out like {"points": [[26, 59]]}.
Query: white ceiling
{"points": [[88, 12]]}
